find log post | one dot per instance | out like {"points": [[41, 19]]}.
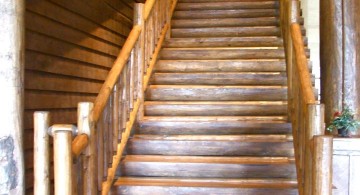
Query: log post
{"points": [[12, 90], [139, 56], [62, 135], [86, 126], [41, 154], [322, 165], [314, 126]]}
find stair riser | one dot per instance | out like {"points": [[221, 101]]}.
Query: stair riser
{"points": [[212, 128], [265, 41], [216, 94], [218, 79], [219, 66], [214, 110], [210, 148], [207, 170], [225, 32], [212, 14], [227, 5], [228, 22], [219, 54]]}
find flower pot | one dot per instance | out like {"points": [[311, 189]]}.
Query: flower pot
{"points": [[343, 132]]}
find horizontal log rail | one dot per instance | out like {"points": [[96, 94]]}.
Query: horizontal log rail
{"points": [[104, 127], [312, 149]]}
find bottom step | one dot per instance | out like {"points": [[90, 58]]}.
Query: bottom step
{"points": [[170, 186]]}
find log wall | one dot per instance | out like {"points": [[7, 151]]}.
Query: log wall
{"points": [[340, 55], [70, 47]]}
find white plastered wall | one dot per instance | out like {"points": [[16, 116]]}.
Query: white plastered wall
{"points": [[311, 14]]}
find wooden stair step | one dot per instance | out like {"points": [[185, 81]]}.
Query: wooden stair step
{"points": [[224, 22], [226, 31], [203, 186], [207, 167], [227, 78], [212, 127], [220, 53], [215, 93], [202, 1], [220, 65], [212, 145], [233, 13], [266, 41], [231, 138], [227, 5], [220, 108]]}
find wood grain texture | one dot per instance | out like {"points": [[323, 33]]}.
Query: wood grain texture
{"points": [[225, 13], [220, 65], [70, 49], [213, 93]]}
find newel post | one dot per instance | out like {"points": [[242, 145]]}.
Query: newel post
{"points": [[322, 165], [41, 154], [62, 135], [315, 125], [89, 162]]}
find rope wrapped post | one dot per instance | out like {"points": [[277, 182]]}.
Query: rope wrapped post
{"points": [[62, 135], [41, 154]]}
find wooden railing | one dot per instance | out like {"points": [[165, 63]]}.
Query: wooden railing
{"points": [[87, 164], [313, 150]]}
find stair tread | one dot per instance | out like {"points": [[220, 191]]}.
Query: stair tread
{"points": [[213, 118], [271, 41], [224, 22], [209, 159], [207, 182], [215, 103], [243, 138], [233, 13], [219, 86], [227, 5]]}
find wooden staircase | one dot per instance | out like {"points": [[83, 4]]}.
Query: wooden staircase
{"points": [[216, 108]]}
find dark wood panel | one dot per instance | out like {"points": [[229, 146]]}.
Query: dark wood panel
{"points": [[121, 7], [57, 116], [102, 15], [51, 100], [40, 24], [59, 65], [45, 44], [74, 20], [50, 82]]}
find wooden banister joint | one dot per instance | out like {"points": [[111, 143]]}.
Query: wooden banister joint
{"points": [[79, 144]]}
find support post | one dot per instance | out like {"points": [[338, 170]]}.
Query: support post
{"points": [[139, 56], [12, 90], [62, 135], [41, 154], [322, 165], [86, 126]]}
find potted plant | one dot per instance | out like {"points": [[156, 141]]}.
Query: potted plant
{"points": [[344, 122]]}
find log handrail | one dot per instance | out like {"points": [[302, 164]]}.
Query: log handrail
{"points": [[301, 63], [104, 126], [313, 150]]}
